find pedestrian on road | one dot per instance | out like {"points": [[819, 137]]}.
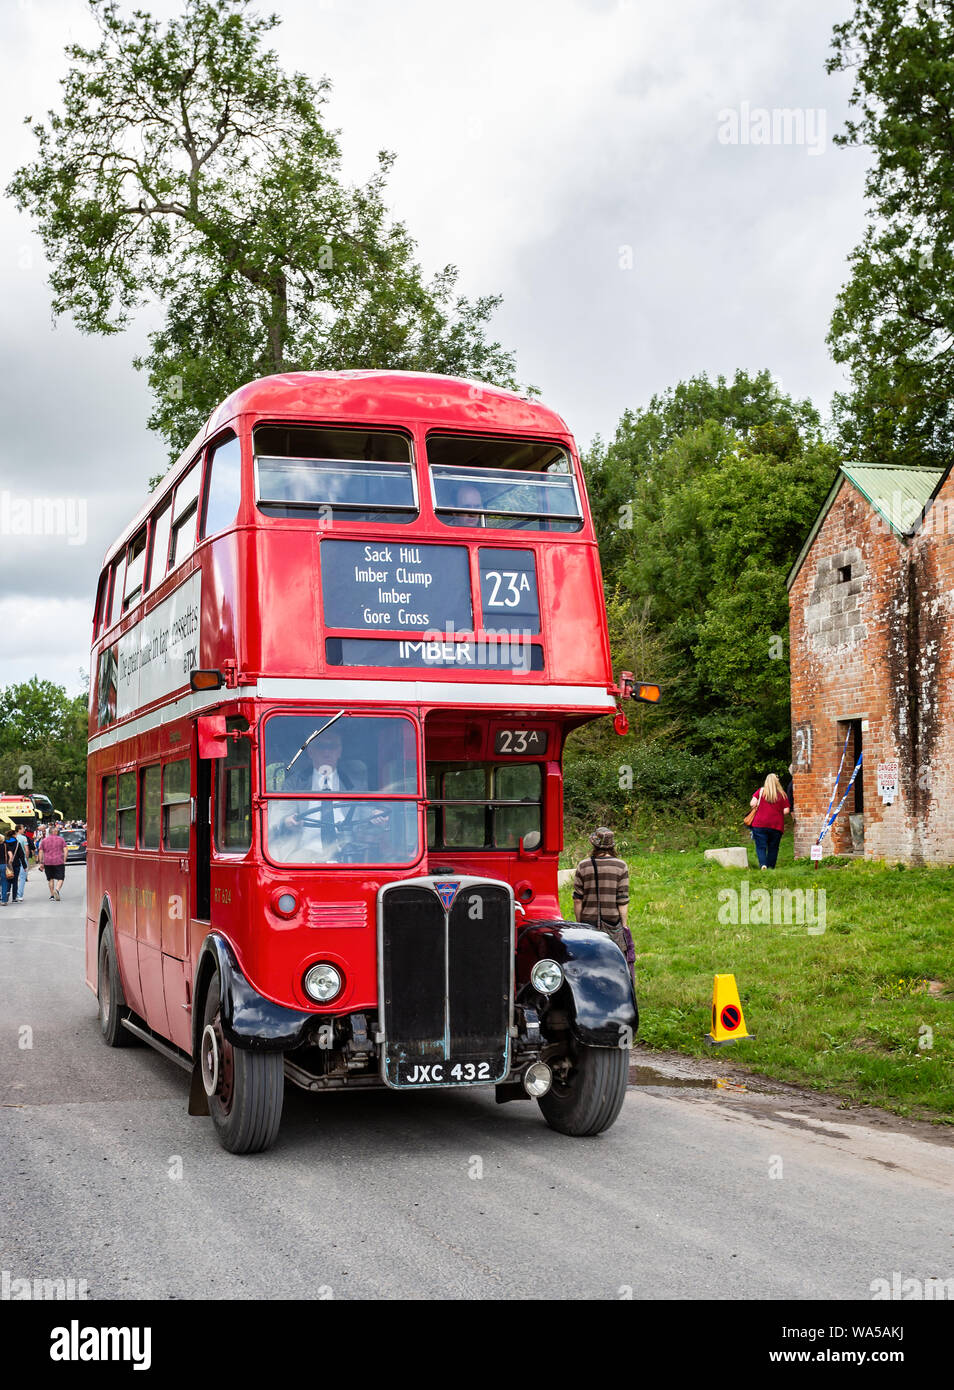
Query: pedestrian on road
{"points": [[53, 860], [771, 806], [14, 864], [601, 893], [25, 870]]}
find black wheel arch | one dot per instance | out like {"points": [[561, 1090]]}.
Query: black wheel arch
{"points": [[249, 1020], [597, 993]]}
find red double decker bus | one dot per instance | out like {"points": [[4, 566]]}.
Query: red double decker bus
{"points": [[335, 661]]}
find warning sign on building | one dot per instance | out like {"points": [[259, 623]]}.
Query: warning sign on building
{"points": [[888, 781]]}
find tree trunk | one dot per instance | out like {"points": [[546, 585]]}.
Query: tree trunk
{"points": [[278, 323]]}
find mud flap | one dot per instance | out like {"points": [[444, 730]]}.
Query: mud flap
{"points": [[198, 1100]]}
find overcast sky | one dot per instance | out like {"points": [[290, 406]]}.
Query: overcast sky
{"points": [[572, 155]]}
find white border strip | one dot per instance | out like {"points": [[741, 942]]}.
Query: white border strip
{"points": [[366, 692], [451, 692]]}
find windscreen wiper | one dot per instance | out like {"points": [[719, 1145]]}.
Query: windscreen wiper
{"points": [[311, 737]]}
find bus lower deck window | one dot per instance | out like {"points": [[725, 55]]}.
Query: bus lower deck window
{"points": [[176, 805]]}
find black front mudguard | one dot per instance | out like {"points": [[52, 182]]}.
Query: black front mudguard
{"points": [[248, 1019], [597, 994]]}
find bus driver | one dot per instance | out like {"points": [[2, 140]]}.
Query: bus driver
{"points": [[326, 828]]}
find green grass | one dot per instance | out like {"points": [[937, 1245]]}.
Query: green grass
{"points": [[864, 1009]]}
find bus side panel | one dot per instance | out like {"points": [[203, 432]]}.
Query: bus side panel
{"points": [[124, 931], [572, 590], [149, 915], [288, 596], [104, 874], [177, 1010], [223, 562]]}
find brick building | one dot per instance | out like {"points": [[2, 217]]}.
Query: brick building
{"points": [[871, 600]]}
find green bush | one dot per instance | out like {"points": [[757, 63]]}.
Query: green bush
{"points": [[598, 787]]}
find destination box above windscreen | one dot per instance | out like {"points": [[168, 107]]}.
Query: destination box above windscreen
{"points": [[393, 587]]}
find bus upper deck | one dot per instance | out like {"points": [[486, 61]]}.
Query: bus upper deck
{"points": [[361, 527]]}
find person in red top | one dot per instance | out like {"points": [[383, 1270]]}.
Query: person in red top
{"points": [[53, 860], [771, 806]]}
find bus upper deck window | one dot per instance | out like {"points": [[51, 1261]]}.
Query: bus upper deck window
{"points": [[224, 487], [184, 516], [503, 484], [135, 566], [115, 597], [336, 474], [160, 546]]}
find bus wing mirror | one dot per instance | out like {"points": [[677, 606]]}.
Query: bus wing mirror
{"points": [[212, 736], [637, 690]]}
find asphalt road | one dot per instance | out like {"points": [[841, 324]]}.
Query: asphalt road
{"points": [[695, 1192]]}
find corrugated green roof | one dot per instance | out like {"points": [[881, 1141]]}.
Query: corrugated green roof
{"points": [[898, 494]]}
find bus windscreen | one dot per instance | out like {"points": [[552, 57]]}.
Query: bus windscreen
{"points": [[340, 782]]}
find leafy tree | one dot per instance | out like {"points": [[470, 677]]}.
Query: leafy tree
{"points": [[188, 168], [43, 744], [893, 324], [722, 484]]}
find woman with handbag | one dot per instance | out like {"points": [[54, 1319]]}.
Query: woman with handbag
{"points": [[766, 820]]}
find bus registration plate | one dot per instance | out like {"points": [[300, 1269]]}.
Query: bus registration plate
{"points": [[450, 1073]]}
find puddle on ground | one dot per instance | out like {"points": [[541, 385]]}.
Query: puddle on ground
{"points": [[648, 1076]]}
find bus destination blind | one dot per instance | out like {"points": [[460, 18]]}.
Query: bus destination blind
{"points": [[394, 588]]}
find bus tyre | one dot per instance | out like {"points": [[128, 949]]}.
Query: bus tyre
{"points": [[109, 992], [591, 1095], [245, 1089]]}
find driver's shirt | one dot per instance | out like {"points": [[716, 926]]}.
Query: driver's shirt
{"points": [[327, 779]]}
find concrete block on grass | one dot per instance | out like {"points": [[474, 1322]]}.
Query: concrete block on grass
{"points": [[735, 857]]}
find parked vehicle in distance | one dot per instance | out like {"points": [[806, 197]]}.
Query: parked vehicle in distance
{"points": [[29, 809], [75, 846]]}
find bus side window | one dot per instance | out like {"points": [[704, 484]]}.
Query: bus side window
{"points": [[233, 796], [160, 546], [135, 565], [101, 596], [115, 598], [149, 797], [127, 809], [184, 517], [108, 829], [223, 490], [176, 805]]}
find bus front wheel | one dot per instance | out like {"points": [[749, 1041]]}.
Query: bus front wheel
{"points": [[109, 993], [587, 1093], [245, 1089]]}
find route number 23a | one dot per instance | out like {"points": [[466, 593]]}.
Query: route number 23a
{"points": [[516, 584], [514, 741]]}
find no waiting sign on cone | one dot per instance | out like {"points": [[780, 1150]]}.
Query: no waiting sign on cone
{"points": [[728, 1021]]}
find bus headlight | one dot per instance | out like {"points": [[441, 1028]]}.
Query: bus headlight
{"points": [[537, 1079], [322, 982], [546, 976]]}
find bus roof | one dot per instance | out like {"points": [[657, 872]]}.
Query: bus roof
{"points": [[362, 397]]}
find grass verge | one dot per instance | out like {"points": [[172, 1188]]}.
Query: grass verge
{"points": [[864, 1008]]}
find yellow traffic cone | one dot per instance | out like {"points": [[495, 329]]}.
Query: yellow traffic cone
{"points": [[728, 1021]]}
